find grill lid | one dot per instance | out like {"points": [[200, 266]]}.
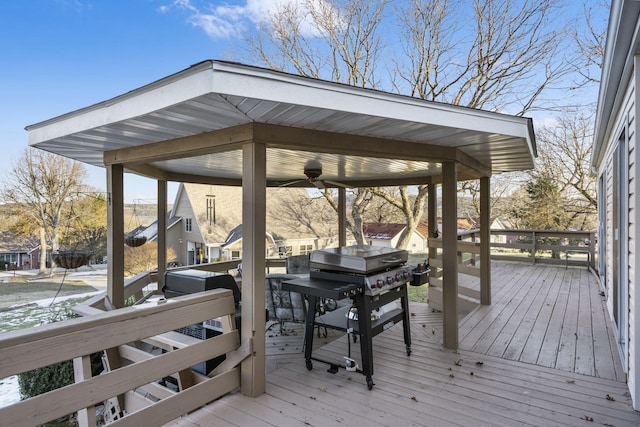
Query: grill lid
{"points": [[360, 259]]}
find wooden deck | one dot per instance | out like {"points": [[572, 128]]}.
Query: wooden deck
{"points": [[541, 354]]}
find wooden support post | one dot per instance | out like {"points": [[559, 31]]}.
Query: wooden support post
{"points": [[115, 235], [162, 232], [432, 221], [485, 241], [449, 254], [342, 216], [592, 251], [81, 372], [253, 369]]}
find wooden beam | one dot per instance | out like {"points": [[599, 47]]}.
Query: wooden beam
{"points": [[485, 241], [276, 136], [464, 159], [189, 146], [115, 235], [449, 254], [253, 369], [200, 179], [149, 171]]}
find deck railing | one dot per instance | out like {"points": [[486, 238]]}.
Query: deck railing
{"points": [[576, 248], [568, 248], [130, 339]]}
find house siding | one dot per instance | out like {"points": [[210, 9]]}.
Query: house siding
{"points": [[625, 121], [634, 250]]}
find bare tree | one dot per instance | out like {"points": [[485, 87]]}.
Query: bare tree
{"points": [[86, 223], [497, 55], [564, 155], [590, 39], [42, 183], [502, 186], [359, 205], [297, 212]]}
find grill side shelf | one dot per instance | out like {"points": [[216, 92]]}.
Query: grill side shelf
{"points": [[323, 288]]}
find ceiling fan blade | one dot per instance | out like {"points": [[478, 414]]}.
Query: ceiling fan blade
{"points": [[287, 184], [337, 184]]}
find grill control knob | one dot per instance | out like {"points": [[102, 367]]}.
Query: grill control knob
{"points": [[405, 275], [389, 280], [379, 283], [398, 277]]}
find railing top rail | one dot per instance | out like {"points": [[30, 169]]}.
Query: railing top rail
{"points": [[515, 230]]}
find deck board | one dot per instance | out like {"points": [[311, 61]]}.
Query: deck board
{"points": [[551, 360]]}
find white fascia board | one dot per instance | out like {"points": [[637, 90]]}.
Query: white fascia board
{"points": [[171, 90], [242, 81]]}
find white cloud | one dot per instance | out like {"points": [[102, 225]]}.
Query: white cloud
{"points": [[232, 21]]}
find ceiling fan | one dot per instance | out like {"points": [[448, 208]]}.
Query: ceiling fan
{"points": [[313, 170]]}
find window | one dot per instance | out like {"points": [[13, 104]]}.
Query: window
{"points": [[305, 249], [235, 254], [211, 209], [188, 225]]}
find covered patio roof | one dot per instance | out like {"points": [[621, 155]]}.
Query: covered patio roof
{"points": [[189, 127], [231, 124]]}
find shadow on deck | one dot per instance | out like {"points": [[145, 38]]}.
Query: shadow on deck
{"points": [[541, 354]]}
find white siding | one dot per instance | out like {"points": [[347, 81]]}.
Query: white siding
{"points": [[634, 247], [626, 116]]}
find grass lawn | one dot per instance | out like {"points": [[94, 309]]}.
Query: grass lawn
{"points": [[418, 293], [18, 309], [14, 293]]}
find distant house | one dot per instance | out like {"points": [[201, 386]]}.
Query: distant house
{"points": [[18, 252], [232, 247], [499, 224], [388, 235], [205, 225]]}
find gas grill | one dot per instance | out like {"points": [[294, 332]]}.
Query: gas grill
{"points": [[375, 279], [378, 268]]}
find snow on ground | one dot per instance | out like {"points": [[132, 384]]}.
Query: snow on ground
{"points": [[29, 315], [9, 391]]}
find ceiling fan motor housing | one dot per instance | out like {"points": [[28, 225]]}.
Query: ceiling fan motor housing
{"points": [[312, 173]]}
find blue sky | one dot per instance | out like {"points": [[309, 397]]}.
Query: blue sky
{"points": [[60, 55]]}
